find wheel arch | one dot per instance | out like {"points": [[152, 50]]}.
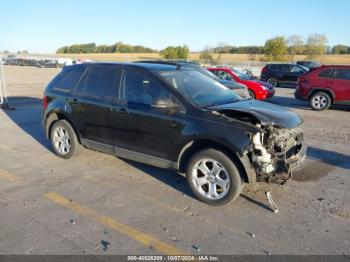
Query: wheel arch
{"points": [[56, 116], [191, 148], [320, 89]]}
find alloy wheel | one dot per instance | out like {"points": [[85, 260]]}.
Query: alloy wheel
{"points": [[319, 101], [210, 179], [61, 140]]}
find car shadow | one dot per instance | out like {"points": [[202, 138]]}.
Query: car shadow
{"points": [[179, 182], [299, 104], [289, 102], [329, 157], [27, 116]]}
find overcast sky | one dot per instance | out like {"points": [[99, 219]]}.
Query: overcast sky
{"points": [[46, 25]]}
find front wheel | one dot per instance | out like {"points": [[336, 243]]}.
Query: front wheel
{"points": [[213, 177], [320, 101]]}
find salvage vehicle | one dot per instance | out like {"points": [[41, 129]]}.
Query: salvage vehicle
{"points": [[171, 116], [257, 89], [239, 88], [324, 86], [282, 74]]}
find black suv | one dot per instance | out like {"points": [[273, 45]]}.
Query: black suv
{"points": [[173, 117], [282, 74]]}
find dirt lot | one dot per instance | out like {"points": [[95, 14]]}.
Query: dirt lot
{"points": [[99, 204]]}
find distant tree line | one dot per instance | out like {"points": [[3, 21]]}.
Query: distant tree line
{"points": [[118, 47], [281, 48], [340, 50]]}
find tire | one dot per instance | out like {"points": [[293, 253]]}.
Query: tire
{"points": [[252, 94], [320, 101], [65, 147], [272, 81], [229, 174]]}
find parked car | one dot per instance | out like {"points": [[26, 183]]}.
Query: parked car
{"points": [[47, 63], [325, 86], [257, 89], [238, 88], [309, 64], [282, 74], [173, 117]]}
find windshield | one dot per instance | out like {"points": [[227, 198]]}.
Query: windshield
{"points": [[198, 88], [240, 74]]}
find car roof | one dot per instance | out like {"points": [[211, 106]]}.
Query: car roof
{"points": [[147, 66], [334, 66]]}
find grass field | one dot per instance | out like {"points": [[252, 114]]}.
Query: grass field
{"points": [[228, 58]]}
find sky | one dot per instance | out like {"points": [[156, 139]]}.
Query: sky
{"points": [[42, 26]]}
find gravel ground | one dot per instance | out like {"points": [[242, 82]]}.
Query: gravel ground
{"points": [[100, 204]]}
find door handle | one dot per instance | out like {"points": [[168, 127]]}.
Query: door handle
{"points": [[173, 123], [119, 110], [72, 100]]}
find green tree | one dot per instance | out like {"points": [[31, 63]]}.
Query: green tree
{"points": [[275, 49], [340, 49], [316, 45], [175, 52]]}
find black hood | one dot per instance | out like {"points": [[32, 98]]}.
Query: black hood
{"points": [[266, 113]]}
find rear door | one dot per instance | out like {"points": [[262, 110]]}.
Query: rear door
{"points": [[341, 86], [291, 76], [92, 102]]}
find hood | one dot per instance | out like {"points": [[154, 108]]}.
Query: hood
{"points": [[266, 113], [262, 83], [232, 85]]}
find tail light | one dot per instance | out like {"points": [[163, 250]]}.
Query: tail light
{"points": [[302, 80], [44, 102], [264, 70]]}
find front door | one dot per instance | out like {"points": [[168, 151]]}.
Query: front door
{"points": [[139, 126]]}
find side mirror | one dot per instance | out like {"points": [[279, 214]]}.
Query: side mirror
{"points": [[166, 104]]}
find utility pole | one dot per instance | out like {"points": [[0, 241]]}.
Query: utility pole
{"points": [[3, 96]]}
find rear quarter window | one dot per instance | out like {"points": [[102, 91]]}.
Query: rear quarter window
{"points": [[342, 74], [67, 79]]}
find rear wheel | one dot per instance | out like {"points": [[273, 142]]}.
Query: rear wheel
{"points": [[213, 177], [64, 140], [320, 101], [272, 81]]}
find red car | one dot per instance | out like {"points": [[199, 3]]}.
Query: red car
{"points": [[258, 89], [324, 86]]}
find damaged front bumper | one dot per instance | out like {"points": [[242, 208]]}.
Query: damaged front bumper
{"points": [[277, 154]]}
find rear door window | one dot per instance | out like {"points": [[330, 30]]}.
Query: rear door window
{"points": [[297, 69], [342, 74], [101, 82], [68, 79]]}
